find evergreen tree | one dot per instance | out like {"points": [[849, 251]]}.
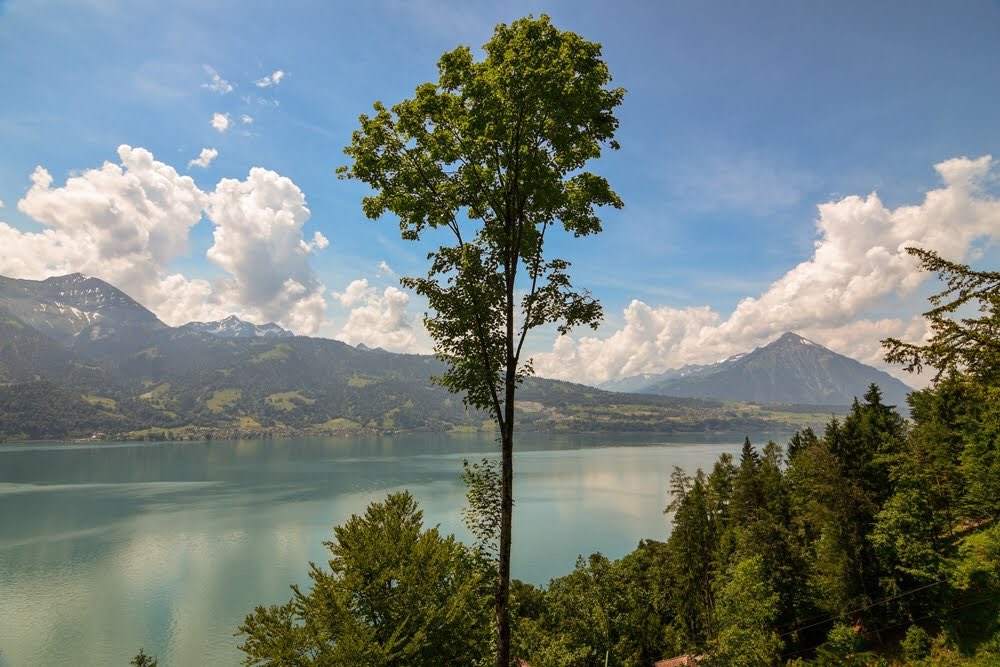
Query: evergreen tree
{"points": [[965, 345], [143, 660], [866, 442], [748, 496], [801, 440], [830, 511], [692, 548]]}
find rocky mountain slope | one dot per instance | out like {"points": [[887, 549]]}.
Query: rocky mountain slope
{"points": [[64, 307], [234, 327]]}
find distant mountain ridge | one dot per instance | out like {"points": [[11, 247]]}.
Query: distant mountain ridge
{"points": [[638, 383], [234, 327], [789, 370], [79, 356]]}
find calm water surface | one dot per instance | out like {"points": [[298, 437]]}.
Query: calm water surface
{"points": [[106, 548]]}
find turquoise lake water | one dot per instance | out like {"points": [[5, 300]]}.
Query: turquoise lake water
{"points": [[109, 547]]}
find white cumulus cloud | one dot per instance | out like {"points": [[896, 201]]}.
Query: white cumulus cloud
{"points": [[270, 80], [258, 240], [220, 121], [354, 293], [379, 318], [319, 242], [216, 83], [127, 222], [204, 158], [858, 262], [246, 119], [124, 222]]}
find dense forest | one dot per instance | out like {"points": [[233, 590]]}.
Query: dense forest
{"points": [[874, 542]]}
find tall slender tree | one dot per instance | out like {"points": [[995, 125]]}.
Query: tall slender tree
{"points": [[493, 155]]}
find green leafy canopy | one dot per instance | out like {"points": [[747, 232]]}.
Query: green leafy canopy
{"points": [[495, 151]]}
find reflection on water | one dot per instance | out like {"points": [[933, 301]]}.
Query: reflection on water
{"points": [[105, 548]]}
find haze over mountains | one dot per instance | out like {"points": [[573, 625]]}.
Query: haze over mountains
{"points": [[790, 369], [234, 327], [78, 356]]}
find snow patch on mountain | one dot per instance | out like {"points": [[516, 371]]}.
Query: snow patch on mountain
{"points": [[234, 327]]}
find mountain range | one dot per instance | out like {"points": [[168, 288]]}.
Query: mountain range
{"points": [[790, 369], [234, 327], [79, 356]]}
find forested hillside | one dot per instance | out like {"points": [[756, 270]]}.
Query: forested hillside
{"points": [[97, 362], [865, 542], [872, 542]]}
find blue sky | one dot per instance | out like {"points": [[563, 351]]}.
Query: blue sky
{"points": [[740, 119]]}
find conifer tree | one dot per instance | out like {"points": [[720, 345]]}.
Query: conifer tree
{"points": [[692, 547]]}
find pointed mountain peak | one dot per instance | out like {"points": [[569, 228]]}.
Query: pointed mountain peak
{"points": [[74, 278], [792, 338], [790, 369]]}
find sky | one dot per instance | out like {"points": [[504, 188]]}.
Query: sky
{"points": [[775, 160]]}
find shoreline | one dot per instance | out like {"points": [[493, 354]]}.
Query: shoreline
{"points": [[227, 434]]}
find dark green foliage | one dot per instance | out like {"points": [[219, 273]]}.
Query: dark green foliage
{"points": [[967, 345], [394, 594], [873, 541], [143, 660], [801, 440], [748, 613], [916, 644], [842, 648], [614, 611], [482, 514], [692, 546], [44, 410]]}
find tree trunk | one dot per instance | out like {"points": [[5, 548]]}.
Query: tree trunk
{"points": [[506, 516]]}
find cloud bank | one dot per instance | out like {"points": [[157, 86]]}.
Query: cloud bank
{"points": [[858, 263], [126, 223], [379, 319]]}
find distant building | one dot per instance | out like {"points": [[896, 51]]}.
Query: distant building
{"points": [[680, 661]]}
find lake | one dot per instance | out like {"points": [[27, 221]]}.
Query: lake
{"points": [[109, 547]]}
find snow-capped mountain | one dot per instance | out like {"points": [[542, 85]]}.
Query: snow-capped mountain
{"points": [[234, 327], [791, 369], [62, 307]]}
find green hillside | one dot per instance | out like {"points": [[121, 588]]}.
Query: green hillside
{"points": [[126, 374]]}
